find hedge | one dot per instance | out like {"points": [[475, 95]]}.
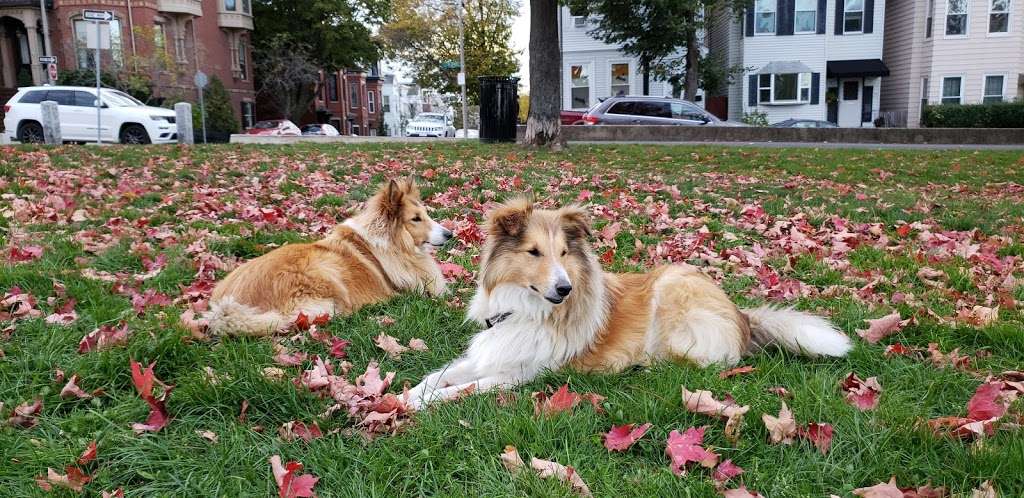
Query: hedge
{"points": [[1000, 115]]}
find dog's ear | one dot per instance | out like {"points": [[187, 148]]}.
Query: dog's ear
{"points": [[509, 218], [391, 199], [575, 222], [411, 188]]}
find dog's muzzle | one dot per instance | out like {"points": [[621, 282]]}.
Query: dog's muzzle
{"points": [[439, 235]]}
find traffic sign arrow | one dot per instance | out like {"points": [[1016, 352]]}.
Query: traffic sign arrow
{"points": [[97, 15]]}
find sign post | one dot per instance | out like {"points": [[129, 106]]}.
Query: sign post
{"points": [[201, 81], [100, 19]]}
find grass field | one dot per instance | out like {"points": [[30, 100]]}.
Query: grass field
{"points": [[846, 233]]}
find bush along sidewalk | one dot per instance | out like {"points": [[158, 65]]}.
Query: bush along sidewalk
{"points": [[995, 115]]}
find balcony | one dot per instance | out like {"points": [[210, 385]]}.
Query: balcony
{"points": [[235, 20], [190, 7]]}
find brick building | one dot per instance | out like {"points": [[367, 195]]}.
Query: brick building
{"points": [[351, 101], [164, 40]]}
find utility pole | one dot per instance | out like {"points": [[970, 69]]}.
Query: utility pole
{"points": [[46, 34], [462, 69]]}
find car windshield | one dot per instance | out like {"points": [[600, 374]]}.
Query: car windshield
{"points": [[266, 125], [120, 99], [431, 117]]}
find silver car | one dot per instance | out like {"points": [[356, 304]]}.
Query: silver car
{"points": [[651, 111]]}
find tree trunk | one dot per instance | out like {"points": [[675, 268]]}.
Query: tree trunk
{"points": [[646, 68], [692, 79], [543, 125]]}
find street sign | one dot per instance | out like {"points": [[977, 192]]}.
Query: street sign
{"points": [[47, 59], [52, 71], [97, 36], [462, 79], [449, 65], [201, 80], [98, 15]]}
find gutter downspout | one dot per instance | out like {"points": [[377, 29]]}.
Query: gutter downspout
{"points": [[131, 34]]}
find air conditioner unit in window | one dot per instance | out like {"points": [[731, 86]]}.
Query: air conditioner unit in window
{"points": [[579, 21]]}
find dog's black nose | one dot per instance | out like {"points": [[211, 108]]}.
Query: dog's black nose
{"points": [[563, 290], [447, 234]]}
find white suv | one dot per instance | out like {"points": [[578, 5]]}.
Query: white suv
{"points": [[123, 119]]}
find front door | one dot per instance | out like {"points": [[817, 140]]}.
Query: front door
{"points": [[849, 103]]}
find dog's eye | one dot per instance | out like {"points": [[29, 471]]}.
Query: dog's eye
{"points": [[564, 252], [417, 219], [534, 252]]}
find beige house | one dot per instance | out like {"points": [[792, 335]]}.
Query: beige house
{"points": [[952, 52]]}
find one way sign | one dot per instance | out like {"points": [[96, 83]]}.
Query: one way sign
{"points": [[98, 15]]}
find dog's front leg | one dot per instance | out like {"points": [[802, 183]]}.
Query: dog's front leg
{"points": [[477, 386], [457, 372]]}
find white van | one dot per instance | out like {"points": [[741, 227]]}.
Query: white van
{"points": [[123, 118]]}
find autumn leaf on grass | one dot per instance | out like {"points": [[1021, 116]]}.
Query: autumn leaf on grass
{"points": [[295, 429], [741, 492], [563, 400], [986, 490], [74, 479], [818, 434], [881, 328], [390, 345], [745, 369], [117, 493], [683, 449], [978, 316], [64, 315], [548, 468], [26, 414], [725, 471], [88, 455], [704, 402], [144, 381], [287, 358], [621, 437], [71, 389], [880, 490], [511, 460], [985, 408], [22, 254], [417, 344], [781, 429], [105, 337], [862, 394], [291, 484], [338, 346]]}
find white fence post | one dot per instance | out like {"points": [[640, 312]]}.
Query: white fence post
{"points": [[51, 123], [183, 110]]}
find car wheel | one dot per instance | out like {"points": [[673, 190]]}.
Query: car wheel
{"points": [[30, 133], [134, 134]]}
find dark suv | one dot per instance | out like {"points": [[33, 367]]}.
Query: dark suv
{"points": [[651, 111]]}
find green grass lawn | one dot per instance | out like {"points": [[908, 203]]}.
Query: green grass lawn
{"points": [[115, 209]]}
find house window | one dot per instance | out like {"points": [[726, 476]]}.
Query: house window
{"points": [[579, 21], [580, 86], [806, 18], [853, 16], [956, 18], [993, 89], [620, 79], [930, 19], [353, 94], [230, 5], [355, 129], [332, 87], [246, 7], [159, 38], [247, 115], [371, 102], [86, 58], [764, 88], [385, 103], [243, 66], [999, 16], [951, 90], [784, 88], [764, 16], [180, 46]]}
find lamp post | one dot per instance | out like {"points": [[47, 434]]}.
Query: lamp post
{"points": [[462, 68]]}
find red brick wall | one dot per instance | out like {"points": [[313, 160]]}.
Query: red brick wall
{"points": [[342, 109]]}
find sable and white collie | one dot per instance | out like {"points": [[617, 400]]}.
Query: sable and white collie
{"points": [[547, 303], [369, 258]]}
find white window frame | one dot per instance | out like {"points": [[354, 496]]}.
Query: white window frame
{"points": [[1002, 91], [847, 11], [775, 19], [803, 82], [967, 21], [814, 25], [629, 77], [930, 20], [371, 102], [1009, 19], [942, 89], [579, 21], [588, 67]]}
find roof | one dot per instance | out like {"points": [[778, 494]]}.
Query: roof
{"points": [[857, 67]]}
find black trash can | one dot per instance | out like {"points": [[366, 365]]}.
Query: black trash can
{"points": [[499, 108]]}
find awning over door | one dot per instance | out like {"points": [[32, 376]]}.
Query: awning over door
{"points": [[857, 67]]}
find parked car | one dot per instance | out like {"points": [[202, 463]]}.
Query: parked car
{"points": [[274, 128], [804, 123], [572, 117], [320, 129], [123, 118], [651, 111], [429, 124]]}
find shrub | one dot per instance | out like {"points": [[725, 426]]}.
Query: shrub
{"points": [[755, 118], [996, 115], [220, 115]]}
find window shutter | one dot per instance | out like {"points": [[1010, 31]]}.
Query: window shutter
{"points": [[840, 5], [869, 16], [750, 21], [785, 9], [822, 7], [867, 102], [752, 90], [815, 88]]}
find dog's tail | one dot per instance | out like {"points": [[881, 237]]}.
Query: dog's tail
{"points": [[229, 317], [796, 331]]}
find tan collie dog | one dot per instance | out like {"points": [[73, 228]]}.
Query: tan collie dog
{"points": [[369, 258], [547, 303]]}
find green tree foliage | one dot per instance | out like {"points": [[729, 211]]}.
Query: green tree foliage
{"points": [[337, 33], [220, 115], [425, 35]]}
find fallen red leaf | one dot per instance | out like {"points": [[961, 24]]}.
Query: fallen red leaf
{"points": [[338, 347], [683, 449], [20, 254], [562, 400], [568, 475], [295, 429], [74, 479], [881, 328], [89, 454], [745, 369], [621, 437], [740, 492], [26, 414], [105, 337], [862, 394], [291, 484], [390, 345], [71, 389], [725, 471], [818, 434], [144, 381], [781, 429]]}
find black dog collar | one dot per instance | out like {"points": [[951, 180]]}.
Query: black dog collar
{"points": [[496, 319]]}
